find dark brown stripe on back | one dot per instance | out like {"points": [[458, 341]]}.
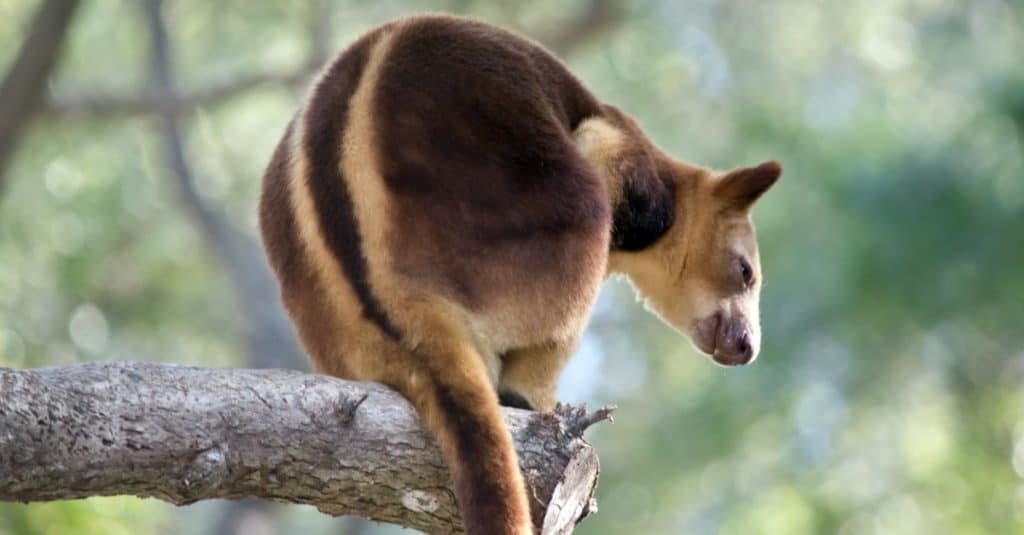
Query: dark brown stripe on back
{"points": [[326, 119]]}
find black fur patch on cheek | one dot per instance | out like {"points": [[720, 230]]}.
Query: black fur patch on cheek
{"points": [[643, 215], [513, 399]]}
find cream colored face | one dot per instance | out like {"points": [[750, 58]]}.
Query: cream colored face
{"points": [[704, 277], [717, 290]]}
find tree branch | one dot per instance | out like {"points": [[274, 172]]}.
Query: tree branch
{"points": [[595, 18], [183, 434], [23, 86], [119, 106], [116, 106]]}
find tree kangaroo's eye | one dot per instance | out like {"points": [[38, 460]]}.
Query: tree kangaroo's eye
{"points": [[746, 272]]}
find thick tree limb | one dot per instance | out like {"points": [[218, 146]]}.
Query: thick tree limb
{"points": [[183, 434]]}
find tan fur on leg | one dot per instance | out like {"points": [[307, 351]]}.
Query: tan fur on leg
{"points": [[532, 373]]}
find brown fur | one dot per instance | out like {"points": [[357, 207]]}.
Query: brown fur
{"points": [[442, 212]]}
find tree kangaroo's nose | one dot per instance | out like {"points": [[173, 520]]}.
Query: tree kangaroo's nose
{"points": [[734, 347]]}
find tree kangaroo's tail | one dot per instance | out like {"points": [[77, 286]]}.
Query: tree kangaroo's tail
{"points": [[461, 409]]}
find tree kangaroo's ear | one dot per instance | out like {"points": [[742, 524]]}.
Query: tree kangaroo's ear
{"points": [[647, 208], [740, 188]]}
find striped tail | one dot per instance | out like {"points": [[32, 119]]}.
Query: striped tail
{"points": [[462, 412]]}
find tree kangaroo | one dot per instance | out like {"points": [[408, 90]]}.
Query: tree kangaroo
{"points": [[442, 211]]}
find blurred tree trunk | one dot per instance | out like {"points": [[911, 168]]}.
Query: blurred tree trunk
{"points": [[22, 90], [269, 339]]}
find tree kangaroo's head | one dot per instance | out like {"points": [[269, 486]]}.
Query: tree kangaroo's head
{"points": [[703, 275]]}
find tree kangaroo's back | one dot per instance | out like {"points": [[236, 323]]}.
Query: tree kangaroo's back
{"points": [[442, 211]]}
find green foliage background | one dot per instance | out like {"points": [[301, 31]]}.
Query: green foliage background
{"points": [[887, 397]]}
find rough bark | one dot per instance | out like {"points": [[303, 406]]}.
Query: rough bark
{"points": [[183, 434]]}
